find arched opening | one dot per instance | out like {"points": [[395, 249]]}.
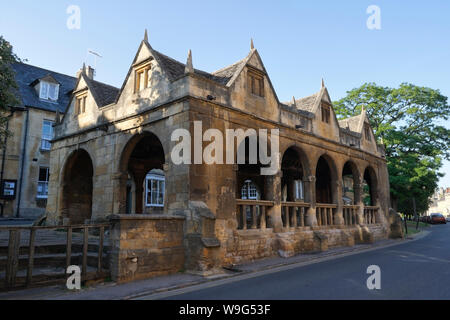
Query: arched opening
{"points": [[369, 187], [324, 181], [292, 187], [143, 160], [250, 187], [250, 169], [349, 183], [77, 188]]}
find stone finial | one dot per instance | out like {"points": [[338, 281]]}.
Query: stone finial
{"points": [[252, 46], [189, 65], [146, 36], [293, 100], [323, 83]]}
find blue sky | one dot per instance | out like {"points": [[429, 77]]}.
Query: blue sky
{"points": [[299, 41]]}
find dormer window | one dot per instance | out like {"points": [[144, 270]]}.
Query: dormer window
{"points": [[326, 113], [49, 91], [255, 82], [142, 77]]}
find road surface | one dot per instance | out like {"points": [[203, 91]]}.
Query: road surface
{"points": [[414, 270]]}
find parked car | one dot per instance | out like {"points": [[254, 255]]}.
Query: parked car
{"points": [[437, 218], [448, 218], [425, 219]]}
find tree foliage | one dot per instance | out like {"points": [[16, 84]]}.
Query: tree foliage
{"points": [[8, 84], [408, 120]]}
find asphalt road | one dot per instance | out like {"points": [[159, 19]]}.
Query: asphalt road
{"points": [[414, 270]]}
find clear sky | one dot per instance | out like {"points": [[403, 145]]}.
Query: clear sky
{"points": [[299, 41]]}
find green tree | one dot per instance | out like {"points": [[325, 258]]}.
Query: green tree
{"points": [[8, 84], [407, 120]]}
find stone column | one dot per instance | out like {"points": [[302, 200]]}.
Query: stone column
{"points": [[339, 216], [310, 196], [358, 191], [120, 197], [139, 181], [273, 192]]}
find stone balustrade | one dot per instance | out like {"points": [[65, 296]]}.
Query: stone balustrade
{"points": [[252, 214], [293, 214]]}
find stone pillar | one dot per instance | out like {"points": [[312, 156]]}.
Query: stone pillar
{"points": [[339, 216], [357, 187], [310, 196], [273, 192], [139, 181], [120, 197]]}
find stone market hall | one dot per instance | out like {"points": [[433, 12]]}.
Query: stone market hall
{"points": [[111, 161]]}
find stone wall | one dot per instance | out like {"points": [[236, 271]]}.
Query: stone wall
{"points": [[143, 246]]}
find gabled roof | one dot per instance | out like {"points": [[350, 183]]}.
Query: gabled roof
{"points": [[312, 102], [352, 123], [27, 76], [307, 103], [103, 94], [176, 69], [231, 72]]}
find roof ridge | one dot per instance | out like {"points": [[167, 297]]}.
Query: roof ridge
{"points": [[44, 69], [230, 66], [104, 84]]}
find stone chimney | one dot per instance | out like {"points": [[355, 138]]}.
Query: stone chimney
{"points": [[88, 71]]}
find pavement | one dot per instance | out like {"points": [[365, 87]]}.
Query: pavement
{"points": [[185, 286], [409, 270]]}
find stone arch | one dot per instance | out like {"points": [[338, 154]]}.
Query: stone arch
{"points": [[295, 169], [370, 187], [350, 183], [326, 180], [77, 187], [143, 153], [248, 170]]}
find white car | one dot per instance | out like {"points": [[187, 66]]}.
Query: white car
{"points": [[447, 219]]}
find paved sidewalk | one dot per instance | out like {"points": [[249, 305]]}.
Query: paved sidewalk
{"points": [[113, 291]]}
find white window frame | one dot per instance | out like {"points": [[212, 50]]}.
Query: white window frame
{"points": [[43, 184], [159, 178], [45, 139], [249, 191], [45, 91], [299, 190]]}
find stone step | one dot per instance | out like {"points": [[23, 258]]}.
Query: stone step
{"points": [[50, 276], [55, 260], [53, 249]]}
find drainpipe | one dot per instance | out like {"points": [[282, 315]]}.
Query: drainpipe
{"points": [[23, 164]]}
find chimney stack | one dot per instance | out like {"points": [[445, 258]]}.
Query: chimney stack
{"points": [[88, 71]]}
